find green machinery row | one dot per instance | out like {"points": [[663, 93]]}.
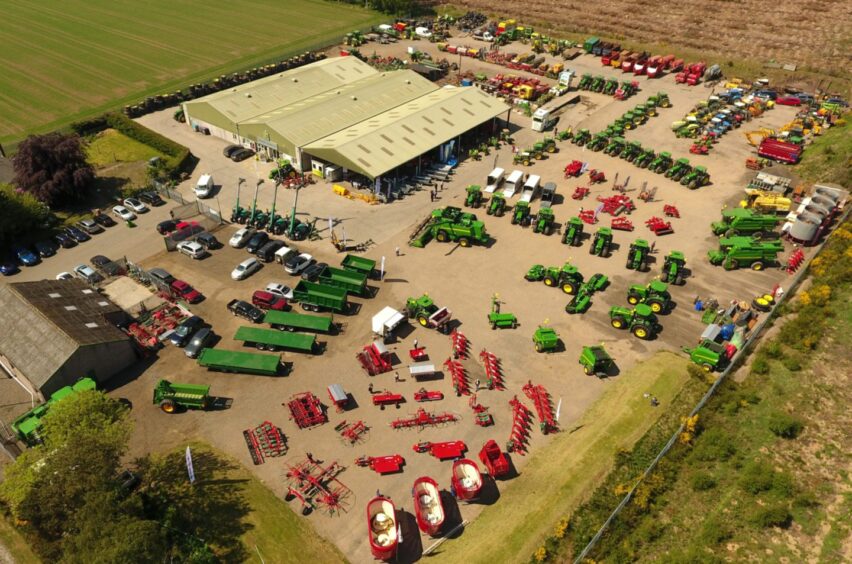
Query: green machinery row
{"points": [[746, 240]]}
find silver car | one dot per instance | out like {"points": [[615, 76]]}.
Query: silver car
{"points": [[199, 341]]}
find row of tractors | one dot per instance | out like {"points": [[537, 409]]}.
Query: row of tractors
{"points": [[608, 86]]}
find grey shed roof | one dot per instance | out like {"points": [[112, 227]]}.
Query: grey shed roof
{"points": [[44, 323], [392, 138]]}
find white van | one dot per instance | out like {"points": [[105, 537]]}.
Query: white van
{"points": [[204, 187], [283, 254], [495, 179], [513, 183]]}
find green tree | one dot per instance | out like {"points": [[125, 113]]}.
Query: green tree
{"points": [[19, 213]]}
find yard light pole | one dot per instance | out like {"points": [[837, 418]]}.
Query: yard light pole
{"points": [[293, 215], [254, 204]]}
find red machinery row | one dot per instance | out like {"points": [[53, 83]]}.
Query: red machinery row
{"points": [[543, 406]]}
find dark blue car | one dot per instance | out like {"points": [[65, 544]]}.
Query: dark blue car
{"points": [[77, 234], [8, 266], [185, 331], [25, 256]]}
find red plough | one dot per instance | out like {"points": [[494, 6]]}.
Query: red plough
{"points": [[617, 204], [375, 359], [352, 432], [306, 410], [381, 464], [460, 344], [659, 226], [520, 433], [543, 407], [442, 451], [671, 211], [580, 192], [459, 376], [423, 419], [265, 441], [388, 398], [493, 371], [428, 395], [622, 224], [317, 486]]}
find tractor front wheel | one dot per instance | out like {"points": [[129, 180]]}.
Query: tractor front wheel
{"points": [[549, 281], [588, 370], [423, 320], [168, 406], [707, 367], [442, 236], [633, 299], [617, 322], [538, 347]]}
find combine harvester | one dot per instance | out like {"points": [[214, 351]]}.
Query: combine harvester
{"points": [[449, 224]]}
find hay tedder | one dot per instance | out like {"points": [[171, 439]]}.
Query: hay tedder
{"points": [[317, 486]]}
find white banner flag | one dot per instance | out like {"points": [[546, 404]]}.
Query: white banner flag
{"points": [[189, 469]]}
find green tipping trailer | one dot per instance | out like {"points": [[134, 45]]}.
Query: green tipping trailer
{"points": [[314, 297], [28, 425], [240, 362], [363, 265], [287, 320], [272, 340], [351, 281]]}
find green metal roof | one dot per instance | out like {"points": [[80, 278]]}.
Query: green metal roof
{"points": [[392, 138]]}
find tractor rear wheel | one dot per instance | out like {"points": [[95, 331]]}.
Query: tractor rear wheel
{"points": [[464, 241], [664, 277], [617, 322], [548, 230], [442, 236], [168, 406], [656, 305], [641, 332], [633, 299], [569, 287], [678, 280], [514, 219], [757, 265], [605, 250], [423, 320]]}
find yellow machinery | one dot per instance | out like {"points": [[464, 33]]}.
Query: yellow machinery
{"points": [[343, 191], [766, 202], [523, 91], [758, 135]]}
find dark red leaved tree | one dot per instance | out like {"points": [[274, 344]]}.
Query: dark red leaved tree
{"points": [[53, 168]]}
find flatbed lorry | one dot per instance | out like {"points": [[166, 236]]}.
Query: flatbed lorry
{"points": [[272, 340], [290, 321], [314, 297], [240, 362]]}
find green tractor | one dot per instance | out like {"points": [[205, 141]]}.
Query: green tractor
{"points": [[598, 142], [650, 109], [546, 145], [545, 339], [572, 234], [709, 355], [615, 146], [602, 242], [535, 273], [640, 321], [610, 87], [568, 278], [581, 301], [645, 158], [521, 214], [637, 255], [640, 116], [596, 362], [582, 137], [497, 205], [474, 196], [427, 313], [696, 178], [656, 295], [629, 120], [680, 169], [663, 100], [631, 151], [673, 267], [598, 84], [523, 157], [585, 82], [616, 128], [544, 221], [661, 163]]}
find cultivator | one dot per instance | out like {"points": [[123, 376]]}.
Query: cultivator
{"points": [[580, 192], [622, 224], [265, 441], [458, 374], [381, 464], [543, 406], [659, 226], [671, 211], [588, 216], [375, 359], [617, 204], [422, 419], [493, 370], [317, 486], [352, 432], [460, 344], [306, 410], [519, 436]]}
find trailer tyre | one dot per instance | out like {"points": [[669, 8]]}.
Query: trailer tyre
{"points": [[168, 406]]}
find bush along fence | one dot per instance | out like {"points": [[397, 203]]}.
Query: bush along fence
{"points": [[642, 485]]}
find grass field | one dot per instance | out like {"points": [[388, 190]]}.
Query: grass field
{"points": [[559, 477], [65, 61], [110, 146]]}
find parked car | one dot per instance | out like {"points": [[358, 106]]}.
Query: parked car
{"points": [[161, 278], [151, 198], [87, 274], [245, 310], [124, 213], [64, 240], [186, 231], [204, 186], [268, 300], [64, 276], [135, 205], [166, 227], [241, 237], [9, 266], [104, 219], [90, 226], [77, 234], [245, 269], [202, 338], [106, 265], [788, 101], [184, 332], [241, 154], [312, 272], [46, 248], [257, 240], [230, 150], [298, 263], [267, 251], [208, 241], [186, 292], [25, 256], [191, 249], [280, 290]]}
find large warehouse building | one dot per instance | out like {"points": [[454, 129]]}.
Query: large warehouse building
{"points": [[58, 331], [341, 115]]}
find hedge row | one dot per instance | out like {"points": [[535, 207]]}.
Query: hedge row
{"points": [[177, 156], [90, 126]]}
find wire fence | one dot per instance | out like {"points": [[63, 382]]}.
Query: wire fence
{"points": [[733, 366]]}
